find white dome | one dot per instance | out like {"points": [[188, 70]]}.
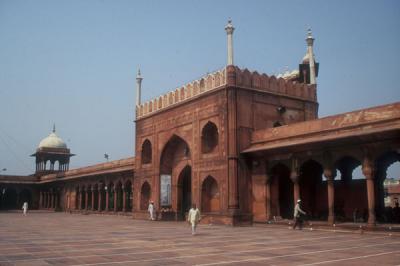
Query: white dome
{"points": [[52, 141]]}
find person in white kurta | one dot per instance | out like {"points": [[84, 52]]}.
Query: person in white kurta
{"points": [[298, 212], [151, 210], [194, 218], [25, 207]]}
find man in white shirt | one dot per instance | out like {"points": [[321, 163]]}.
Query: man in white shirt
{"points": [[151, 210], [25, 207], [194, 218]]}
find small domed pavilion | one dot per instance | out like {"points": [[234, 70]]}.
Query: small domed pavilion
{"points": [[52, 152]]}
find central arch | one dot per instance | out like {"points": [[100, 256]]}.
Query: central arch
{"points": [[176, 177]]}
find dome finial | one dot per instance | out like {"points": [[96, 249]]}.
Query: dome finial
{"points": [[54, 127]]}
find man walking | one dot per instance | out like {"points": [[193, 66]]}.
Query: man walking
{"points": [[151, 210], [194, 218], [25, 207], [298, 220]]}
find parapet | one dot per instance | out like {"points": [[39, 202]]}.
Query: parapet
{"points": [[209, 82], [271, 84], [243, 78]]}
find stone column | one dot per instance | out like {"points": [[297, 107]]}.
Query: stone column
{"points": [[44, 200], [86, 198], [55, 200], [47, 200], [294, 176], [99, 198], [40, 199], [368, 172], [115, 199], [93, 190], [330, 176], [123, 199], [133, 199], [268, 196], [80, 199], [51, 200], [107, 199]]}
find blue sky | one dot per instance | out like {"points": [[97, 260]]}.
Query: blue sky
{"points": [[74, 63]]}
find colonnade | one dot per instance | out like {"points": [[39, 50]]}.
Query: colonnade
{"points": [[48, 199], [329, 171], [102, 198]]}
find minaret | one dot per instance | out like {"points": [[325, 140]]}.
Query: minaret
{"points": [[310, 42], [138, 87], [54, 127], [229, 32]]}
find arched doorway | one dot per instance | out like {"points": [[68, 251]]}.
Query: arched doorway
{"points": [[175, 184], [281, 192], [210, 201], [145, 193], [387, 188], [9, 198], [313, 192], [128, 195], [25, 196], [351, 203], [184, 200]]}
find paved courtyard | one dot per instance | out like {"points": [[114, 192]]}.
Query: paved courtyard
{"points": [[44, 238]]}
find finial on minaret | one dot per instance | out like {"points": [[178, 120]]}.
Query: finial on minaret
{"points": [[229, 32], [310, 53], [54, 127], [138, 87]]}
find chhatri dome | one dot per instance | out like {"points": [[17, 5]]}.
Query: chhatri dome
{"points": [[52, 155], [52, 141]]}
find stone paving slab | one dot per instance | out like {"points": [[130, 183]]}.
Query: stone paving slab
{"points": [[45, 238]]}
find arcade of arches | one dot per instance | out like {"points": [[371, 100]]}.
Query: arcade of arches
{"points": [[322, 173]]}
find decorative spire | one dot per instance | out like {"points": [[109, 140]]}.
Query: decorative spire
{"points": [[309, 39], [229, 32], [54, 127], [138, 87], [310, 53]]}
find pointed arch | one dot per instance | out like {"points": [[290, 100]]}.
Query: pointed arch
{"points": [[209, 137], [146, 152], [145, 195], [210, 195], [174, 151]]}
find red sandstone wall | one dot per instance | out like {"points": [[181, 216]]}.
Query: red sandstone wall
{"points": [[258, 110], [186, 121]]}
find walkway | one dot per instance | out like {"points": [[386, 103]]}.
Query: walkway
{"points": [[45, 238]]}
